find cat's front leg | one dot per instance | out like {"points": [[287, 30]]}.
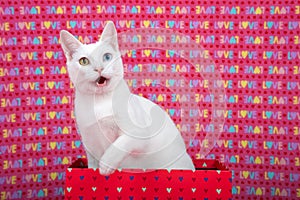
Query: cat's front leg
{"points": [[119, 150], [92, 161]]}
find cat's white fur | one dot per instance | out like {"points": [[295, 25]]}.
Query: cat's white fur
{"points": [[116, 126]]}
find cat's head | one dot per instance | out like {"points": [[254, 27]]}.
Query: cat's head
{"points": [[94, 68]]}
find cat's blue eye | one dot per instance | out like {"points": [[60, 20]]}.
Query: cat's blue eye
{"points": [[107, 57]]}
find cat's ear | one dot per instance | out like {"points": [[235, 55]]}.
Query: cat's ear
{"points": [[109, 35], [69, 43]]}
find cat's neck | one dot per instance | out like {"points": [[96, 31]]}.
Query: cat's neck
{"points": [[85, 96], [121, 88], [86, 105]]}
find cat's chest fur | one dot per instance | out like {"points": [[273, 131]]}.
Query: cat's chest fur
{"points": [[95, 121], [89, 109]]}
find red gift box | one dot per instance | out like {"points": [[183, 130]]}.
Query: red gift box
{"points": [[211, 180]]}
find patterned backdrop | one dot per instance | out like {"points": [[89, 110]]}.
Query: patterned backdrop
{"points": [[254, 46]]}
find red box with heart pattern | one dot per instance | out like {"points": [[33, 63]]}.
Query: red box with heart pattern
{"points": [[211, 180]]}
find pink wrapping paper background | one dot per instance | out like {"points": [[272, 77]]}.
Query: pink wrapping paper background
{"points": [[254, 45]]}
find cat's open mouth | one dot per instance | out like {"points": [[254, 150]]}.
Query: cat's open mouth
{"points": [[101, 81]]}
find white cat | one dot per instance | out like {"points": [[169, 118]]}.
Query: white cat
{"points": [[118, 129]]}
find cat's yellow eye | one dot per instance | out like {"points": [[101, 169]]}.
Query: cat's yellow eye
{"points": [[84, 61]]}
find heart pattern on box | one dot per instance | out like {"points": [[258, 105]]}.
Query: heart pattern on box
{"points": [[158, 184]]}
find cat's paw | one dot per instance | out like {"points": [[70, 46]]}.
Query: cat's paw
{"points": [[105, 169]]}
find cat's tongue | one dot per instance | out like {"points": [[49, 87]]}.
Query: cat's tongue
{"points": [[101, 81]]}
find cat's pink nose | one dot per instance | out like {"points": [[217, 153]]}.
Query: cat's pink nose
{"points": [[99, 70]]}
